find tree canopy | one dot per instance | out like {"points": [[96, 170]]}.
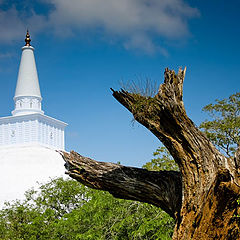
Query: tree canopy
{"points": [[224, 128], [65, 209]]}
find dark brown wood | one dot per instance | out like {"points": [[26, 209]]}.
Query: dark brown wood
{"points": [[210, 181], [162, 189]]}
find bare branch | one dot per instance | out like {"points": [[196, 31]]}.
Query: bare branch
{"points": [[162, 189]]}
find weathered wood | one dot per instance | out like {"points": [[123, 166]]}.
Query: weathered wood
{"points": [[210, 181], [162, 189]]}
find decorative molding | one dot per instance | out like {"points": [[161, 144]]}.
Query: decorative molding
{"points": [[27, 105], [32, 129]]}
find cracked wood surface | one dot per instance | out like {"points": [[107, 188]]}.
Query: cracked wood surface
{"points": [[162, 189], [194, 195]]}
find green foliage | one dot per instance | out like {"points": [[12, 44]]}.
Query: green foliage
{"points": [[141, 86], [23, 221], [105, 217], [59, 195], [224, 129], [162, 161], [65, 209]]}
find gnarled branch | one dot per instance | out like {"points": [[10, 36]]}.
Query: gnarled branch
{"points": [[162, 189], [165, 116]]}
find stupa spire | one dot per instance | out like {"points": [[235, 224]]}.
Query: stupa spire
{"points": [[29, 126], [27, 95]]}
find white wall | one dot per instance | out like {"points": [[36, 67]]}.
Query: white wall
{"points": [[27, 165], [33, 130]]}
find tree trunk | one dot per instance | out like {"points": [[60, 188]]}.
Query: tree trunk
{"points": [[202, 197]]}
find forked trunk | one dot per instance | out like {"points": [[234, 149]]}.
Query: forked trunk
{"points": [[202, 197]]}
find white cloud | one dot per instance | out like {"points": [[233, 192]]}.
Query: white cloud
{"points": [[165, 17], [134, 23], [13, 24], [10, 25]]}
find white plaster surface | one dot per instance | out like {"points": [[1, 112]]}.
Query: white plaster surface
{"points": [[28, 139], [22, 167], [32, 129], [27, 83]]}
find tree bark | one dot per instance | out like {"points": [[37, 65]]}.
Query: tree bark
{"points": [[206, 206], [162, 189]]}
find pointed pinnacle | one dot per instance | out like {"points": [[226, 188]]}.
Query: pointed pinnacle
{"points": [[27, 39]]}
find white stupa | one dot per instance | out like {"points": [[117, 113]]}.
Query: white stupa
{"points": [[28, 139]]}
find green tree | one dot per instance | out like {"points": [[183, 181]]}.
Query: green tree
{"points": [[55, 212], [61, 196], [224, 128], [23, 221], [38, 215], [162, 161], [105, 217]]}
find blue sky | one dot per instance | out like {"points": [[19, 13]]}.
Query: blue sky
{"points": [[84, 47]]}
